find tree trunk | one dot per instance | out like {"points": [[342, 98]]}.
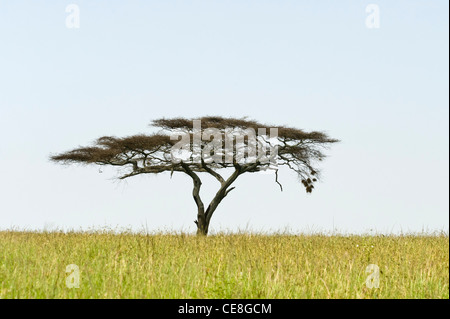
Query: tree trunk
{"points": [[203, 220], [204, 217], [202, 227]]}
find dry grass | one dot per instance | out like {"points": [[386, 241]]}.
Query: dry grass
{"points": [[125, 265]]}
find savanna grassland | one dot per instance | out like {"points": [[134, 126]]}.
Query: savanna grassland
{"points": [[126, 265]]}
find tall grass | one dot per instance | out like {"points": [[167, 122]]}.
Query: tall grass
{"points": [[126, 265]]}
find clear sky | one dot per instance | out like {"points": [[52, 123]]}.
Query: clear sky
{"points": [[313, 65]]}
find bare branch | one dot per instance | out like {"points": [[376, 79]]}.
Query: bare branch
{"points": [[276, 179], [212, 172], [226, 193]]}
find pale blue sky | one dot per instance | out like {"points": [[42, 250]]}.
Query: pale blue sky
{"points": [[308, 64]]}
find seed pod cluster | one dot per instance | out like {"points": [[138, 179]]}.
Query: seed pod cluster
{"points": [[308, 183]]}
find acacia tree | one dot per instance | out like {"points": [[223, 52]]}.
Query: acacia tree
{"points": [[209, 145]]}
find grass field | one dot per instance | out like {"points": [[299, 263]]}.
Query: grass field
{"points": [[125, 265]]}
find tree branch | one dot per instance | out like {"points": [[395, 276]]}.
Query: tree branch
{"points": [[212, 172], [276, 179], [226, 193], [221, 193]]}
